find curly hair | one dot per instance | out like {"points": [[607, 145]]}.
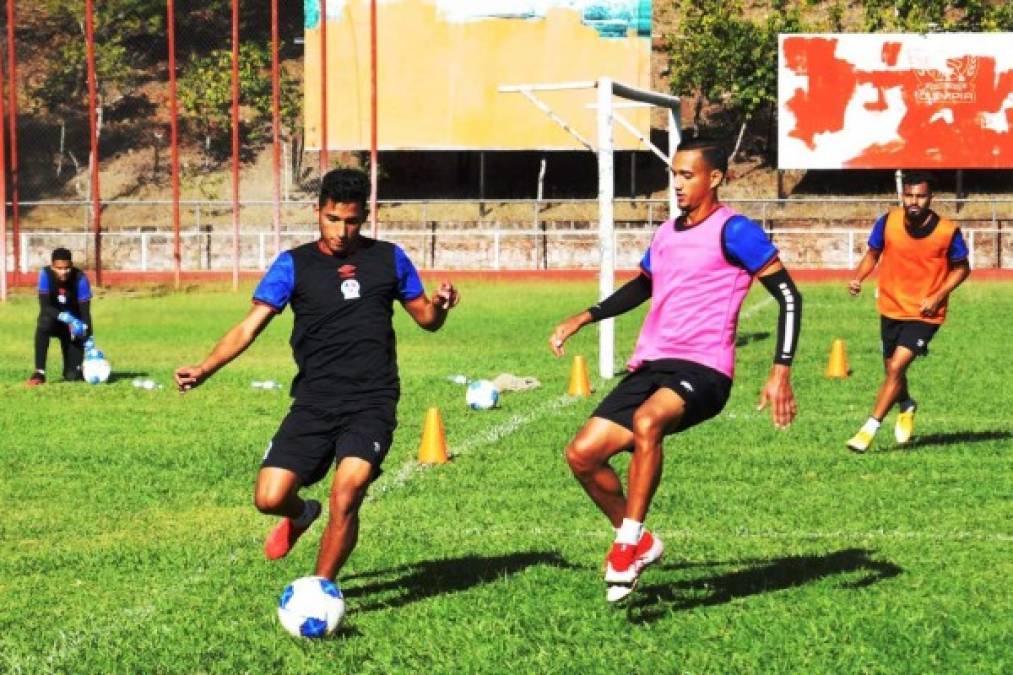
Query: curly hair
{"points": [[344, 185]]}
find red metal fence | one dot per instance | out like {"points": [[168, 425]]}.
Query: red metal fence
{"points": [[23, 87]]}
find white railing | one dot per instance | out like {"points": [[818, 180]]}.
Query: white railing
{"points": [[479, 248]]}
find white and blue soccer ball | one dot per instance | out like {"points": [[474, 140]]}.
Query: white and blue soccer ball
{"points": [[481, 395], [311, 607], [96, 369]]}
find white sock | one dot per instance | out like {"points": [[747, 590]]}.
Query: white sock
{"points": [[871, 425], [629, 532], [307, 516]]}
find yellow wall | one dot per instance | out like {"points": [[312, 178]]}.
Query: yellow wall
{"points": [[437, 80]]}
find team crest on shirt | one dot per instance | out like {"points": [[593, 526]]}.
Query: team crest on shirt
{"points": [[350, 289]]}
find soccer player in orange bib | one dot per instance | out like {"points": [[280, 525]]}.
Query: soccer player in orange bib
{"points": [[922, 258]]}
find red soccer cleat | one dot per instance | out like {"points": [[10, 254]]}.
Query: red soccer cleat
{"points": [[625, 562], [284, 536], [36, 379]]}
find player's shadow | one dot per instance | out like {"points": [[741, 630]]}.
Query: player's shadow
{"points": [[951, 438], [744, 339], [405, 584], [653, 601], [117, 376]]}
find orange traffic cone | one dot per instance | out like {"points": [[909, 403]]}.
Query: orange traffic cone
{"points": [[580, 383], [838, 365], [433, 448]]}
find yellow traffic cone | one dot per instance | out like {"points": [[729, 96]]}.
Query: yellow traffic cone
{"points": [[433, 448], [580, 383], [838, 364]]}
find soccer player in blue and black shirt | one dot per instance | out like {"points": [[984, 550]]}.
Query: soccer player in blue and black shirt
{"points": [[63, 290], [342, 288]]}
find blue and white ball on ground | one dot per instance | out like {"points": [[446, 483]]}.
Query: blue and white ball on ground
{"points": [[481, 395], [96, 369], [311, 607]]}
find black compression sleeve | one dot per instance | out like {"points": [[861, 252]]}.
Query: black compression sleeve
{"points": [[789, 320], [630, 295]]}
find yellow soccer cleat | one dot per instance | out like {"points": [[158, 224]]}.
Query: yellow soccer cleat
{"points": [[904, 429], [860, 442]]}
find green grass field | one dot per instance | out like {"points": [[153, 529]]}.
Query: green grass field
{"points": [[130, 542]]}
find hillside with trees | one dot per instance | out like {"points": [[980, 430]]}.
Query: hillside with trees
{"points": [[720, 55]]}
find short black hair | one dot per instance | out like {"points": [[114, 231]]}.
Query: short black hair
{"points": [[713, 151], [916, 177], [61, 254], [345, 185]]}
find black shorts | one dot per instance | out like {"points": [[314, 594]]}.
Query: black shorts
{"points": [[915, 335], [311, 439], [704, 390]]}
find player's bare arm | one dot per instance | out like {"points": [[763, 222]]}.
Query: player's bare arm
{"points": [[231, 345], [565, 329], [430, 313], [631, 294], [865, 267], [777, 391], [959, 272]]}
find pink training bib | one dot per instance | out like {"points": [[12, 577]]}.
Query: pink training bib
{"points": [[695, 299]]}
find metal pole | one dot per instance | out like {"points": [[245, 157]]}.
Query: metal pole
{"points": [[606, 225], [12, 111], [235, 145], [323, 88], [3, 207], [276, 124], [174, 141], [373, 154], [96, 203], [674, 138]]}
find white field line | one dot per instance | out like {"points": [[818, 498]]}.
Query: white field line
{"points": [[749, 311], [490, 436], [67, 645], [411, 468]]}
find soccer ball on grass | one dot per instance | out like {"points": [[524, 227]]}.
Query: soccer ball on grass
{"points": [[95, 370], [311, 607], [481, 395]]}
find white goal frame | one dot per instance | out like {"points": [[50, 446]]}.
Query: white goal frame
{"points": [[606, 119]]}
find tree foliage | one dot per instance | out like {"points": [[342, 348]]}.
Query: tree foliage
{"points": [[723, 56], [205, 96]]}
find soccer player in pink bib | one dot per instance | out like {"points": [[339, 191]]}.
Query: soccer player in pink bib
{"points": [[696, 273]]}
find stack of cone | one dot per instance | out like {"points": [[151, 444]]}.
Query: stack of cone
{"points": [[433, 448], [838, 365], [580, 383]]}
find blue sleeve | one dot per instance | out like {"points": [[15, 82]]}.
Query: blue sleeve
{"points": [[409, 285], [645, 262], [276, 287], [876, 239], [747, 244], [83, 288], [43, 280], [958, 249]]}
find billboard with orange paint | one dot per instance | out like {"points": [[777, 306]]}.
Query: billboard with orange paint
{"points": [[889, 101], [440, 63]]}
